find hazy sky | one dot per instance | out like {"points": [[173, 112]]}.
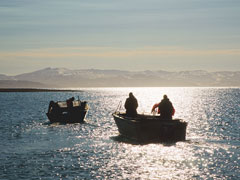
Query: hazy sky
{"points": [[119, 34]]}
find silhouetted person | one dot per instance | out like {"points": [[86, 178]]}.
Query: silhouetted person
{"points": [[131, 105], [53, 108], [165, 108], [70, 102], [50, 106]]}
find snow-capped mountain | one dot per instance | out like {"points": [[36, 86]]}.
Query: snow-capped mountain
{"points": [[62, 77]]}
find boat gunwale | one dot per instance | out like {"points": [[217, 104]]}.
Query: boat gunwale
{"points": [[152, 119]]}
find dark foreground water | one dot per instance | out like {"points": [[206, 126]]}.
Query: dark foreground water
{"points": [[31, 148]]}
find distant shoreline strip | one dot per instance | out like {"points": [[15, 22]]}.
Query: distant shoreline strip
{"points": [[36, 90]]}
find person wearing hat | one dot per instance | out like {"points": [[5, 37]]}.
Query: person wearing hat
{"points": [[165, 108], [131, 105]]}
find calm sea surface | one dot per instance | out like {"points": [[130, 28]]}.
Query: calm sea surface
{"points": [[31, 148]]}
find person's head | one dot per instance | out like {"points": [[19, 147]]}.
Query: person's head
{"points": [[72, 98], [165, 96], [130, 94]]}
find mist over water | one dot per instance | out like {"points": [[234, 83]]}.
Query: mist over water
{"points": [[31, 148]]}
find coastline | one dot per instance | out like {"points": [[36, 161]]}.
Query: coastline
{"points": [[36, 90]]}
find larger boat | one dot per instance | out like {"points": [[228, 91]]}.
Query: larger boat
{"points": [[145, 128], [61, 112]]}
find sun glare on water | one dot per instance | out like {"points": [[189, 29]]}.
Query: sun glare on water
{"points": [[180, 160]]}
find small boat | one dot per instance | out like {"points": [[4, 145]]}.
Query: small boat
{"points": [[61, 112], [150, 128]]}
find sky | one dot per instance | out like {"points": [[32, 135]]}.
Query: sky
{"points": [[135, 35]]}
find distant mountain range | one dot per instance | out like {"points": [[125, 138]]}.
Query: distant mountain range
{"points": [[66, 78]]}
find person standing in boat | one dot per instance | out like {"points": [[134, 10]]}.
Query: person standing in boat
{"points": [[131, 105], [70, 102], [53, 107], [165, 108]]}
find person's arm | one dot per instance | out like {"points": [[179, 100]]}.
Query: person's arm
{"points": [[173, 111], [136, 104], [154, 107]]}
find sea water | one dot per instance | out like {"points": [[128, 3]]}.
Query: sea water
{"points": [[32, 148]]}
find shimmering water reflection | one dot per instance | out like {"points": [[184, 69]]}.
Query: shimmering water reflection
{"points": [[31, 148]]}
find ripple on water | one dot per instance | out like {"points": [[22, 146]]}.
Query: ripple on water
{"points": [[31, 148]]}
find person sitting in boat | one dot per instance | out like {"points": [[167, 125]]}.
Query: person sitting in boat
{"points": [[165, 108], [131, 105], [70, 102]]}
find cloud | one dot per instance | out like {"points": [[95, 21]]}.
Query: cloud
{"points": [[110, 52]]}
